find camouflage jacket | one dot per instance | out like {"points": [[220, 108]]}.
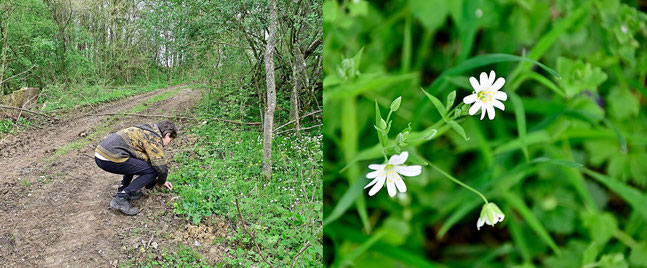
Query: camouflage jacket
{"points": [[143, 142]]}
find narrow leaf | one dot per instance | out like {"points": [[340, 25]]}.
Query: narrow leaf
{"points": [[635, 198], [450, 99], [520, 115], [346, 201], [520, 206], [439, 105], [463, 210], [456, 127]]}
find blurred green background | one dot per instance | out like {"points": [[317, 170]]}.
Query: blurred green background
{"points": [[567, 163]]}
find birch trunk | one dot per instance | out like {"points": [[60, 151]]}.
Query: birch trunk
{"points": [[271, 93]]}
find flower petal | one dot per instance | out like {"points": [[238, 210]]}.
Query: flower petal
{"points": [[414, 170], [475, 107], [378, 186], [483, 110], [485, 81], [498, 104], [489, 217], [480, 223], [492, 76], [373, 174], [390, 185], [490, 112], [399, 183], [498, 84], [470, 99], [376, 166], [500, 95], [371, 183], [475, 84], [399, 159]]}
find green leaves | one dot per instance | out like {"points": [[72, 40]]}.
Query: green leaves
{"points": [[602, 226], [579, 76], [443, 111], [518, 204], [635, 198], [439, 105], [431, 13]]}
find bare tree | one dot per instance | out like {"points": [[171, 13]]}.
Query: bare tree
{"points": [[271, 92]]}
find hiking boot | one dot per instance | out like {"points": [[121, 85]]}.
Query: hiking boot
{"points": [[123, 205], [136, 195]]}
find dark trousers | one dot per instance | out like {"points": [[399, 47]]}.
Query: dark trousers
{"points": [[132, 166]]}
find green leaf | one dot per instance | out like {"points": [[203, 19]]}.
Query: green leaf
{"points": [[540, 136], [457, 216], [403, 255], [520, 115], [590, 255], [616, 260], [346, 201], [635, 198], [456, 127], [378, 115], [622, 103], [483, 60], [358, 8], [439, 105], [357, 60], [602, 226], [396, 104], [548, 39], [350, 257], [395, 231], [638, 256], [330, 11], [532, 221], [539, 78], [365, 82], [450, 99], [431, 13], [578, 76]]}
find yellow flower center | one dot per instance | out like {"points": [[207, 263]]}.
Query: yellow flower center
{"points": [[485, 95]]}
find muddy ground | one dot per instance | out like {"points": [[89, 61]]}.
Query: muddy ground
{"points": [[54, 210]]}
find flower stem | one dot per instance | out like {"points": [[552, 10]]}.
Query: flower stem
{"points": [[459, 182]]}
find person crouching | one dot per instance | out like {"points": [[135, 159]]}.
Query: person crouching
{"points": [[134, 151]]}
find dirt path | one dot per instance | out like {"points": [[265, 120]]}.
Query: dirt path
{"points": [[55, 210]]}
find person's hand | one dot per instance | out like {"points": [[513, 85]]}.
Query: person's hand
{"points": [[168, 185]]}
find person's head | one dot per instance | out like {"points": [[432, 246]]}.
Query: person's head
{"points": [[168, 130]]}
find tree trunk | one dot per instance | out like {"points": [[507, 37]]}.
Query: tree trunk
{"points": [[271, 93], [297, 71]]}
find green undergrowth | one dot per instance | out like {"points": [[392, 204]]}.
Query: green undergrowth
{"points": [[284, 213], [183, 257], [105, 126], [7, 125], [63, 98]]}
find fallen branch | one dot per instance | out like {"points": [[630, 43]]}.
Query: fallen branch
{"points": [[32, 67], [305, 246], [25, 110], [181, 117], [23, 107], [291, 121], [242, 221]]}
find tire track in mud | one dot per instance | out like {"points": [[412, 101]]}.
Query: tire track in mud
{"points": [[56, 212]]}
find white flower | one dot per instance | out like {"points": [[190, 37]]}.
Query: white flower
{"points": [[486, 95], [490, 214], [390, 173]]}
